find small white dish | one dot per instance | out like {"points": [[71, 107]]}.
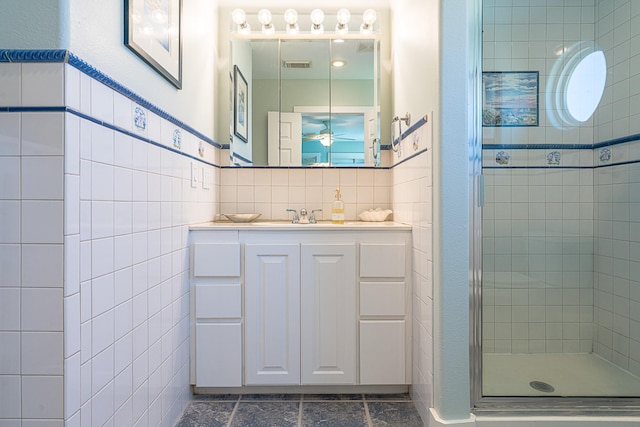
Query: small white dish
{"points": [[241, 217], [375, 215]]}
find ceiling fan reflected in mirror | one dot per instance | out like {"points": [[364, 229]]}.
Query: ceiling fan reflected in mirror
{"points": [[320, 128]]}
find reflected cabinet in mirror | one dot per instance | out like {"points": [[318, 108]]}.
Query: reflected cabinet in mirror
{"points": [[305, 101]]}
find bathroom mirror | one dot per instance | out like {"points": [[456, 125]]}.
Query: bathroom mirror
{"points": [[302, 108]]}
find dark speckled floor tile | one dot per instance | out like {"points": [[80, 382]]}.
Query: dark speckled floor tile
{"points": [[393, 414], [399, 397], [333, 414], [206, 414], [266, 414], [325, 397], [263, 397]]}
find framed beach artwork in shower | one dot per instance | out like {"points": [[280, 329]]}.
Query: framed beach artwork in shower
{"points": [[510, 98], [152, 31]]}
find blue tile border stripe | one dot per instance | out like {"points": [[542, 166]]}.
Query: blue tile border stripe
{"points": [[65, 56], [602, 144]]}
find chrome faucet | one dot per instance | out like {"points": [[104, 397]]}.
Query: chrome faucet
{"points": [[304, 216], [312, 218], [296, 218]]}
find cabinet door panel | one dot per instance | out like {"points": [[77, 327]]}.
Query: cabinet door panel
{"points": [[328, 313], [272, 314], [218, 354], [382, 352]]}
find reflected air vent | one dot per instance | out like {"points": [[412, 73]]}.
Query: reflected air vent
{"points": [[364, 47], [296, 64]]}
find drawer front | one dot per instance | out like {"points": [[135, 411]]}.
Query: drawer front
{"points": [[218, 301], [216, 260], [382, 299], [382, 260]]}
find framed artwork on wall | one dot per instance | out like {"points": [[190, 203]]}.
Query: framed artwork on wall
{"points": [[152, 30], [240, 105], [510, 98]]}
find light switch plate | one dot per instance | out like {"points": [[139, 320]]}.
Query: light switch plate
{"points": [[194, 175], [205, 178]]}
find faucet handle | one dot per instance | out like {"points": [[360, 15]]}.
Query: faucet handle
{"points": [[296, 218], [312, 218]]}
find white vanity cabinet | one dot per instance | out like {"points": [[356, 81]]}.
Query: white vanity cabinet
{"points": [[321, 306]]}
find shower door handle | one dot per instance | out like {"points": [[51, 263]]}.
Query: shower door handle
{"points": [[480, 191]]}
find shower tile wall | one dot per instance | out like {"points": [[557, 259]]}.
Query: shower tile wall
{"points": [[93, 253], [543, 295]]}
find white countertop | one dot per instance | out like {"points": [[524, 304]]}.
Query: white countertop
{"points": [[288, 226]]}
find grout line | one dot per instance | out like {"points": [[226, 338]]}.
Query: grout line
{"points": [[366, 412], [235, 409]]}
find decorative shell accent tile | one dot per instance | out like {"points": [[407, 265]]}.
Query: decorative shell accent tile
{"points": [[201, 148], [502, 158], [177, 139], [139, 119], [553, 158], [605, 154]]}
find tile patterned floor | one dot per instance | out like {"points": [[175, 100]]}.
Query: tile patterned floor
{"points": [[296, 410]]}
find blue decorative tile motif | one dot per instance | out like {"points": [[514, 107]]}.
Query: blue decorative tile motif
{"points": [[502, 158], [139, 119], [200, 149], [553, 158], [177, 139], [605, 154], [20, 55]]}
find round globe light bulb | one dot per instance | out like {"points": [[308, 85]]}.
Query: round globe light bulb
{"points": [[317, 16], [290, 16], [239, 16], [343, 16], [369, 16], [264, 17]]}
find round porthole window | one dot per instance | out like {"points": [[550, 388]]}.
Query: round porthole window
{"points": [[576, 84], [586, 86]]}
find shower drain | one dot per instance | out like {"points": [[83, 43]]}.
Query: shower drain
{"points": [[542, 386]]}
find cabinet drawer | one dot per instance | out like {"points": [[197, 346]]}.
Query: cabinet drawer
{"points": [[382, 260], [216, 260], [382, 299], [218, 301]]}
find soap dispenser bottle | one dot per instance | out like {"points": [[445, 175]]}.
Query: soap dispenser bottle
{"points": [[337, 210]]}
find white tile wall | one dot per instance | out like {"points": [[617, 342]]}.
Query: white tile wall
{"points": [[94, 226]]}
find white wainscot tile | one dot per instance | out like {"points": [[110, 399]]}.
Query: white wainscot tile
{"points": [[123, 150], [42, 396], [101, 369], [102, 144], [10, 265], [41, 309], [122, 112], [73, 384], [42, 221], [42, 134], [101, 256], [42, 353], [10, 178], [42, 177], [102, 407], [71, 325], [9, 130], [43, 84], [42, 266], [124, 320], [9, 311], [71, 205], [10, 82], [72, 87], [101, 102], [10, 224], [10, 390], [102, 294], [9, 353], [102, 224]]}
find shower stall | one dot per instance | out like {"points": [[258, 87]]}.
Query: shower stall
{"points": [[560, 285]]}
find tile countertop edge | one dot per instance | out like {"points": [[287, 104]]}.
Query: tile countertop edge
{"points": [[288, 226]]}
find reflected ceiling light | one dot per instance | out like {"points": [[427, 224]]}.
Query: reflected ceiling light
{"points": [[264, 17], [368, 18], [343, 16], [338, 63], [240, 18], [317, 17], [291, 18]]}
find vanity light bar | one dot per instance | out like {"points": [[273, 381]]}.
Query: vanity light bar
{"points": [[317, 16]]}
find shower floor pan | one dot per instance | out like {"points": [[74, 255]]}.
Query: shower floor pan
{"points": [[579, 375]]}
